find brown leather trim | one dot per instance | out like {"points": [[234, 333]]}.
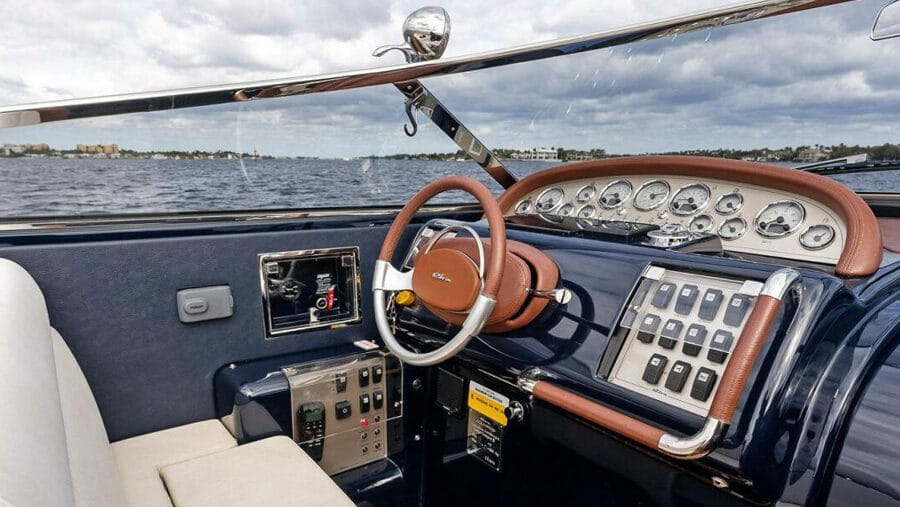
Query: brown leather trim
{"points": [[598, 414], [862, 249], [494, 262], [890, 232], [514, 308], [446, 279], [743, 358]]}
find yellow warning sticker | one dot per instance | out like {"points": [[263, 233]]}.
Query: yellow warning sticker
{"points": [[488, 403]]}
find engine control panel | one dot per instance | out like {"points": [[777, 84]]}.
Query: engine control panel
{"points": [[676, 335], [341, 409]]}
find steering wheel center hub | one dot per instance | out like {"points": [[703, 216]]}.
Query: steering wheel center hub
{"points": [[447, 279]]}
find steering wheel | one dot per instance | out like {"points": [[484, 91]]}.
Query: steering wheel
{"points": [[444, 278]]}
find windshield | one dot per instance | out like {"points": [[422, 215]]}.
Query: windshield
{"points": [[789, 90]]}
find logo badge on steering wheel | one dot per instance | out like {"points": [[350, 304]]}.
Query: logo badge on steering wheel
{"points": [[440, 276]]}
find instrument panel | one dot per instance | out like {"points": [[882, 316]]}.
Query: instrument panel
{"points": [[748, 218]]}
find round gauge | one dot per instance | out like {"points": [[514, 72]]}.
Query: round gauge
{"points": [[615, 194], [566, 210], [651, 195], [586, 211], [549, 199], [733, 228], [729, 203], [779, 219], [523, 207], [689, 199], [586, 193], [817, 237], [290, 290], [701, 223]]}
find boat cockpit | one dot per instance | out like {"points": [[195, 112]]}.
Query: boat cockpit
{"points": [[635, 330]]}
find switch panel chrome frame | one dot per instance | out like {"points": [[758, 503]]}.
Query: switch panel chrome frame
{"points": [[349, 260]]}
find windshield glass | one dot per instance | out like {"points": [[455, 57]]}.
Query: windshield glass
{"points": [[790, 90]]}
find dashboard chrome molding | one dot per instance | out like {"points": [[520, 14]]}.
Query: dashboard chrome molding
{"points": [[697, 445]]}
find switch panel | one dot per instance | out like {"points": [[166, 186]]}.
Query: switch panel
{"points": [[678, 340], [340, 418]]}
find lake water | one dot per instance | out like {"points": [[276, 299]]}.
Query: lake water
{"points": [[62, 187]]}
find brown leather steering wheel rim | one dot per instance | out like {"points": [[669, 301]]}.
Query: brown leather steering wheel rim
{"points": [[494, 263]]}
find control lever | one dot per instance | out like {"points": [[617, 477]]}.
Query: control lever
{"points": [[561, 296]]}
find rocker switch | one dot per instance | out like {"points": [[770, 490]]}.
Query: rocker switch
{"points": [[654, 369], [363, 377], [340, 382]]}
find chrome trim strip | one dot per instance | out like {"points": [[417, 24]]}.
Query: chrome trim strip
{"points": [[44, 224], [779, 282], [694, 446], [31, 114]]}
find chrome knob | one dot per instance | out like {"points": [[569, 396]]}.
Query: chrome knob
{"points": [[561, 296], [515, 412]]}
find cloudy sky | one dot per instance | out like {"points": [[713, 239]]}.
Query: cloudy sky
{"points": [[805, 78]]}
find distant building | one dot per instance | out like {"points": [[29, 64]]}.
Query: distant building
{"points": [[108, 149], [815, 154], [20, 149], [537, 154]]}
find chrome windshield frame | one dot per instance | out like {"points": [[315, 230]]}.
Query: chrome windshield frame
{"points": [[32, 114]]}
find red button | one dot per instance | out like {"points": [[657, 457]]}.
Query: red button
{"points": [[364, 422]]}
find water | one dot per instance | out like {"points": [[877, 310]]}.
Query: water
{"points": [[62, 187]]}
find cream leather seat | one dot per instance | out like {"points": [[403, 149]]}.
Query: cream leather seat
{"points": [[55, 451]]}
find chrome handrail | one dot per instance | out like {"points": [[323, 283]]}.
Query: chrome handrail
{"points": [[31, 114]]}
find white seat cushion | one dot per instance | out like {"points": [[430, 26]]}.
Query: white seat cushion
{"points": [[140, 458], [274, 471]]}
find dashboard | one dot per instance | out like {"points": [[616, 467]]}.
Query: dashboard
{"points": [[748, 218], [753, 208]]}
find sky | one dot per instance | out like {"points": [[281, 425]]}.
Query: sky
{"points": [[806, 78]]}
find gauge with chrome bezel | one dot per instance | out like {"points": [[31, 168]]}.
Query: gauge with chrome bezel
{"points": [[733, 228], [549, 199], [586, 211], [614, 194], [817, 237], [690, 198], [566, 210], [779, 218], [651, 195], [701, 223], [729, 203], [585, 194], [523, 207]]}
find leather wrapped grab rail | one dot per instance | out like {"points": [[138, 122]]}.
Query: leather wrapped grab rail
{"points": [[862, 250], [734, 379]]}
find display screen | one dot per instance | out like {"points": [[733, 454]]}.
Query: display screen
{"points": [[314, 415]]}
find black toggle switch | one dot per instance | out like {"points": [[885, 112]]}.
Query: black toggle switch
{"points": [[720, 346], [363, 377], [377, 399], [663, 295], [736, 310], [670, 334], [377, 373], [710, 304], [693, 340], [654, 369], [342, 409], [340, 381], [704, 383], [648, 328], [686, 299], [677, 376], [365, 402]]}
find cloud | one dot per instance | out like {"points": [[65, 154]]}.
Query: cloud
{"points": [[799, 79]]}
